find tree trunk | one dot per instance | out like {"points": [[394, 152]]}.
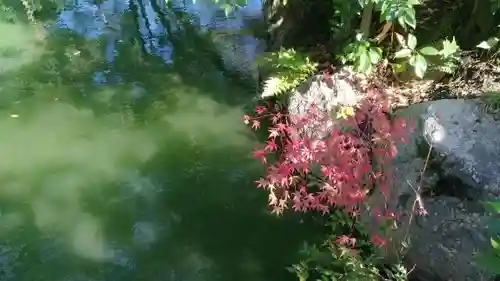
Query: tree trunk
{"points": [[297, 23]]}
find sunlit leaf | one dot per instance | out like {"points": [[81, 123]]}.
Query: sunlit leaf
{"points": [[412, 41], [402, 22], [429, 51], [410, 18], [449, 47], [403, 53], [495, 244], [375, 55], [420, 65], [488, 44], [272, 87], [493, 206], [364, 60]]}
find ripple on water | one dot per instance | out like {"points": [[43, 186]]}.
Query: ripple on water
{"points": [[51, 249], [79, 277], [144, 234], [8, 261], [138, 185], [121, 257], [237, 175]]}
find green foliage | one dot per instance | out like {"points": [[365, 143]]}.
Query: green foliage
{"points": [[490, 260], [288, 69], [416, 58], [362, 54], [366, 51], [332, 261], [400, 11], [491, 42], [344, 18]]}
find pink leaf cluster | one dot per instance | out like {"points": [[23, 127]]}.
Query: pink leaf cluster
{"points": [[313, 174]]}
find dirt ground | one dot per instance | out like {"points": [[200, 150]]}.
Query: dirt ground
{"points": [[473, 78], [478, 76]]}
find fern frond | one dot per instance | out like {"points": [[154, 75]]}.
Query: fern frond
{"points": [[288, 69], [273, 86]]}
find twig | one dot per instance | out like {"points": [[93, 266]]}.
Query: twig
{"points": [[418, 198], [411, 270]]}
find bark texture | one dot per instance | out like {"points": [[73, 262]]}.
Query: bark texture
{"points": [[297, 23]]}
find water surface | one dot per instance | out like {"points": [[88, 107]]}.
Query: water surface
{"points": [[123, 154]]}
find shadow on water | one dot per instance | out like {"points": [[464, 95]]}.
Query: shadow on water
{"points": [[116, 166]]}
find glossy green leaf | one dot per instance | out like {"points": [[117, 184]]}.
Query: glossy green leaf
{"points": [[411, 41], [420, 65], [383, 9], [402, 22], [493, 206], [412, 61], [403, 53], [410, 18], [495, 244], [364, 61], [488, 44], [375, 55], [429, 51]]}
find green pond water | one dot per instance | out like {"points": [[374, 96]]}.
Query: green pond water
{"points": [[128, 168]]}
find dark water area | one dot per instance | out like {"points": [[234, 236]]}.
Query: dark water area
{"points": [[123, 151]]}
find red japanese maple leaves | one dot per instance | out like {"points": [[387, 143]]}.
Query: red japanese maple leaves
{"points": [[314, 174]]}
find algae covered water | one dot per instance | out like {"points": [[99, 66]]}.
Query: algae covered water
{"points": [[123, 153]]}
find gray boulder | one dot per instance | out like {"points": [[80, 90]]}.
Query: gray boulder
{"points": [[463, 170], [326, 94], [442, 244], [465, 140]]}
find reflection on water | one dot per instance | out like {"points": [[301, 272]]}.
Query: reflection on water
{"points": [[123, 152]]}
